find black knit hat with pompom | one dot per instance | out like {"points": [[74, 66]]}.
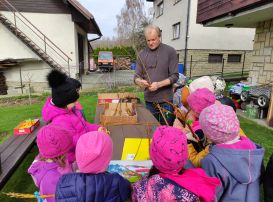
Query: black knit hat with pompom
{"points": [[64, 88]]}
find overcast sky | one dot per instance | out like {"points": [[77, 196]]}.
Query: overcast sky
{"points": [[105, 12]]}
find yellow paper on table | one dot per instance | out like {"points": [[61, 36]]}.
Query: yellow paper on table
{"points": [[136, 149]]}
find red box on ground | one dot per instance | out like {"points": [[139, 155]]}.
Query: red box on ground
{"points": [[26, 127]]}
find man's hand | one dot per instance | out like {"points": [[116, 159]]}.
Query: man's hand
{"points": [[142, 83], [154, 86]]}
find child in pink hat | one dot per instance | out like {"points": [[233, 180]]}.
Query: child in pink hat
{"points": [[168, 180], [234, 159], [51, 163], [197, 101], [93, 153]]}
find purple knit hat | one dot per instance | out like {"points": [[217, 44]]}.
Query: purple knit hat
{"points": [[53, 141], [93, 152], [200, 99], [169, 151], [219, 123]]}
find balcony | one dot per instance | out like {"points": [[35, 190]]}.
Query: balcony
{"points": [[235, 13]]}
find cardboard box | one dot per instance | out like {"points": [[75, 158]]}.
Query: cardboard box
{"points": [[119, 113], [20, 129], [117, 97]]}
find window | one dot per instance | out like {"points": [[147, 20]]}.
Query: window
{"points": [[176, 30], [215, 58], [160, 34], [160, 8], [234, 58], [176, 1]]}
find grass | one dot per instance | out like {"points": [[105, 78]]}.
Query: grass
{"points": [[258, 134], [21, 182]]}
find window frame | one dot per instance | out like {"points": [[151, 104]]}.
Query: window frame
{"points": [[160, 10], [176, 1], [234, 60], [214, 60], [176, 35]]}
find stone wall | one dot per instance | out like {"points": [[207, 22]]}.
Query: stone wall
{"points": [[14, 87], [261, 71], [197, 62]]}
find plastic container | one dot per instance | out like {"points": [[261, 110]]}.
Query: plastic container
{"points": [[252, 111], [133, 66], [181, 68]]}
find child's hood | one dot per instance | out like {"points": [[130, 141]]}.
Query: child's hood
{"points": [[243, 165], [39, 169], [50, 111]]}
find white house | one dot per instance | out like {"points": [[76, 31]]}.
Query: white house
{"points": [[37, 35], [251, 14], [203, 50]]}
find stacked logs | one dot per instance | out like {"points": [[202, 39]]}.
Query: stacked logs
{"points": [[122, 63], [3, 85]]}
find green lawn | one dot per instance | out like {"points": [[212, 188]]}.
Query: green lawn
{"points": [[21, 182]]}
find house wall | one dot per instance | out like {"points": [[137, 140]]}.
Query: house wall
{"points": [[33, 73], [261, 71], [172, 14], [59, 28], [220, 38], [203, 41], [85, 47], [199, 37], [12, 47], [197, 62], [38, 6]]}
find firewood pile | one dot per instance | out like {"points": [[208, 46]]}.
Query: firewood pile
{"points": [[122, 63], [3, 85]]}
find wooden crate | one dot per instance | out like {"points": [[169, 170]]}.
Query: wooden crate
{"points": [[119, 113], [117, 97]]}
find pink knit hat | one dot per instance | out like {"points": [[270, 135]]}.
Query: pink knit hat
{"points": [[219, 123], [53, 141], [200, 99], [169, 151], [93, 152]]}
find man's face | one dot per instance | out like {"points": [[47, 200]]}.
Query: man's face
{"points": [[152, 39]]}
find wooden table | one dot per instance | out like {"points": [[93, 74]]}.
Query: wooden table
{"points": [[13, 151], [142, 129]]}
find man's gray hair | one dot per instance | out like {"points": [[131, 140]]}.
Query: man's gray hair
{"points": [[151, 27]]}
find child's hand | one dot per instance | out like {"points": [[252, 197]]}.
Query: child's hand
{"points": [[103, 129]]}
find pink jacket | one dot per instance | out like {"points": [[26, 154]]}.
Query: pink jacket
{"points": [[69, 119], [196, 181], [46, 175]]}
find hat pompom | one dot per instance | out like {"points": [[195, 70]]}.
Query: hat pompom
{"points": [[56, 78]]}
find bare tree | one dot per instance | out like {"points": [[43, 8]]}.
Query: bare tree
{"points": [[130, 22]]}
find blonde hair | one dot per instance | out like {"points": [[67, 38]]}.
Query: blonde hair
{"points": [[59, 159], [148, 29]]}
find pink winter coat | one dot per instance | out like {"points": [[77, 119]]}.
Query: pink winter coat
{"points": [[69, 119]]}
